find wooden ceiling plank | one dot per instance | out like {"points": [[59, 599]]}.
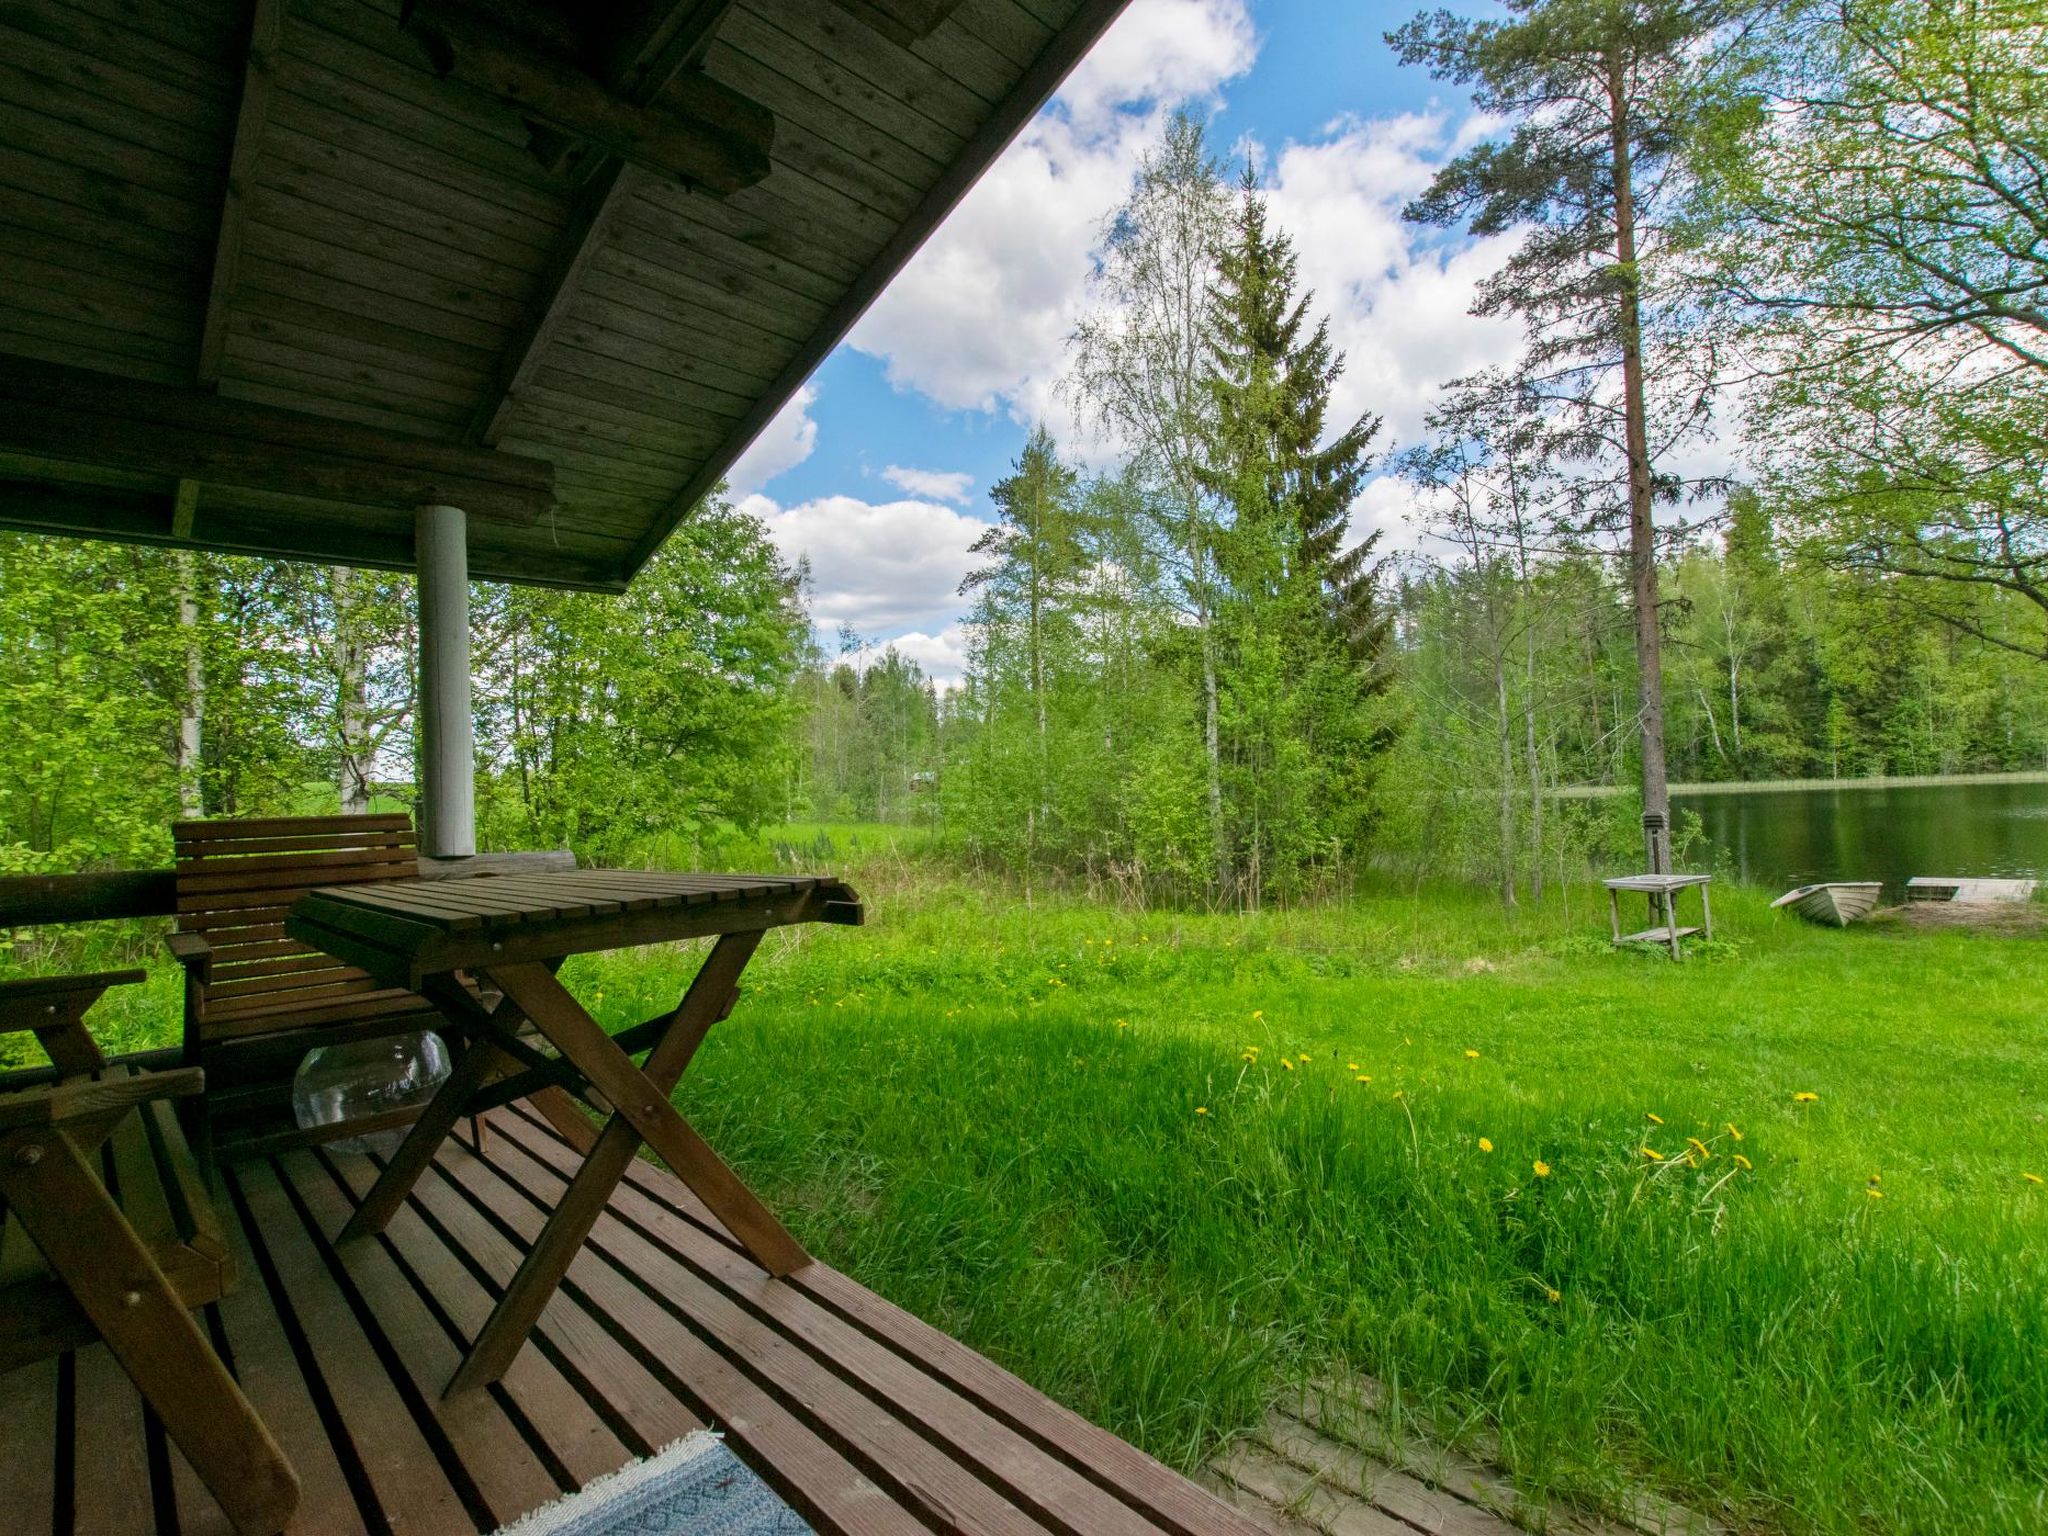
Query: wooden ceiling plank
{"points": [[603, 202], [1034, 86], [75, 414], [704, 134], [266, 41], [903, 22], [184, 509]]}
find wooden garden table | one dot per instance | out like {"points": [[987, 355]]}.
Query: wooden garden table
{"points": [[510, 933], [1662, 891]]}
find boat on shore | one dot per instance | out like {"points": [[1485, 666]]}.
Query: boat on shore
{"points": [[1833, 903]]}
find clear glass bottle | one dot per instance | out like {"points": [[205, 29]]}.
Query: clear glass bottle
{"points": [[359, 1078]]}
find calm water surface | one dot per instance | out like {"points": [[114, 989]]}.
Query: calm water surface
{"points": [[1783, 838]]}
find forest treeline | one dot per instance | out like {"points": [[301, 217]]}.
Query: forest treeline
{"points": [[1799, 243]]}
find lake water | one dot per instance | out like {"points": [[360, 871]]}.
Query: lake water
{"points": [[1783, 838]]}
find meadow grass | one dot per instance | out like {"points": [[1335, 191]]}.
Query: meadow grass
{"points": [[1066, 1135]]}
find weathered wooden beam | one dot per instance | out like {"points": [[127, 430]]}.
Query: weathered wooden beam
{"points": [[291, 530], [653, 42], [704, 134], [597, 209], [97, 419], [903, 22], [266, 38], [184, 509]]}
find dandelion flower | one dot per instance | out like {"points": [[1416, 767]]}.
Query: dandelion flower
{"points": [[1542, 1168], [1351, 1066], [1734, 1132], [1653, 1154], [1304, 1055], [1248, 1056], [1363, 1078], [1803, 1097], [1743, 1162], [1201, 1109], [1472, 1055], [2031, 1178], [1485, 1145], [1874, 1192], [1653, 1117], [1552, 1295], [1257, 1014], [1698, 1146], [1286, 1063], [1123, 1023]]}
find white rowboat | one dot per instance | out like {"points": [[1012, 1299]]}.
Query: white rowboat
{"points": [[1834, 903]]}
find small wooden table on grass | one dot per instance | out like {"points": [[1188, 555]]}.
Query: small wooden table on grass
{"points": [[510, 934], [1662, 891]]}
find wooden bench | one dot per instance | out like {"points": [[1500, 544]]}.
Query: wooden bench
{"points": [[106, 1232], [256, 1000]]}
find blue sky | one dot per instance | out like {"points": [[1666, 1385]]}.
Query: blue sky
{"points": [[879, 472]]}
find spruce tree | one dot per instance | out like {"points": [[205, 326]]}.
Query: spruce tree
{"points": [[1289, 492]]}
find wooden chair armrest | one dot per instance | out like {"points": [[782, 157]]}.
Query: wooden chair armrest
{"points": [[68, 1102], [192, 951]]}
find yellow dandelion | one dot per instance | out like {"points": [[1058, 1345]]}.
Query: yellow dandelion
{"points": [[1653, 1154], [1485, 1145], [1803, 1097], [1743, 1162], [1877, 1178], [1734, 1132], [1472, 1055], [1363, 1078], [1552, 1294], [1257, 1014], [1350, 1066], [2031, 1178], [1542, 1168], [1201, 1109], [1286, 1063], [1123, 1023], [1400, 1093], [1698, 1146], [1248, 1056], [1653, 1117], [1874, 1192], [1304, 1055]]}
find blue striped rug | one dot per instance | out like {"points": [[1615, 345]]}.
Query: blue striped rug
{"points": [[695, 1487]]}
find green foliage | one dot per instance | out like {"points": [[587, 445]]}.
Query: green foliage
{"points": [[653, 720]]}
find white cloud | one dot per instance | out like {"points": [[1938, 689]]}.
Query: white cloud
{"points": [[980, 318], [943, 655], [931, 484], [781, 445], [885, 568], [1398, 301]]}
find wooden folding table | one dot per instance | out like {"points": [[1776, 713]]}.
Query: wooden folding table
{"points": [[509, 934]]}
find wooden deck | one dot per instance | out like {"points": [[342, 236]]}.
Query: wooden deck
{"points": [[864, 1418]]}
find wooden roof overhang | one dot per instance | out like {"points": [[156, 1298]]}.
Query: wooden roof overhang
{"points": [[277, 273]]}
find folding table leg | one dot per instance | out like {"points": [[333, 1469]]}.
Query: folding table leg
{"points": [[541, 1271], [97, 1255]]}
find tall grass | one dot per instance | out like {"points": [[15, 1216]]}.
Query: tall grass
{"points": [[1066, 1136]]}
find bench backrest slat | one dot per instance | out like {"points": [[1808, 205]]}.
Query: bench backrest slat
{"points": [[236, 880]]}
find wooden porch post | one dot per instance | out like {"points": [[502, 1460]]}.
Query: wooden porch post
{"points": [[447, 748]]}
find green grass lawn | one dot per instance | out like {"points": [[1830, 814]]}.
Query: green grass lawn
{"points": [[1131, 1156]]}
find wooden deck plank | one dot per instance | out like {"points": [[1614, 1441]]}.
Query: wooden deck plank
{"points": [[506, 1471], [809, 1470], [29, 1449], [399, 1462], [718, 1285], [576, 1435], [863, 1418]]}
